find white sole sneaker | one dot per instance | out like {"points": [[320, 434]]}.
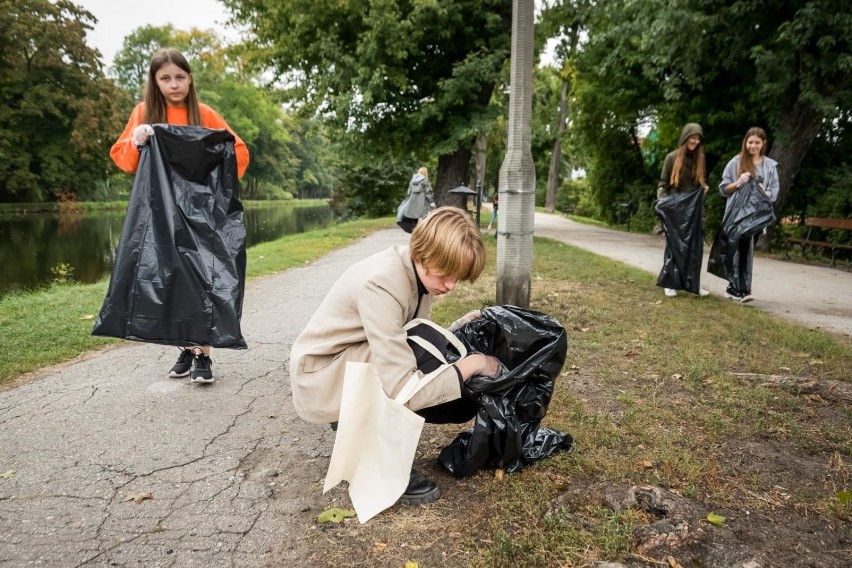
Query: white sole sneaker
{"points": [[702, 292], [747, 298], [670, 293]]}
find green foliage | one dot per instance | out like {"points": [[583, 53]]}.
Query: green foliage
{"points": [[371, 187], [58, 114], [726, 64], [404, 77]]}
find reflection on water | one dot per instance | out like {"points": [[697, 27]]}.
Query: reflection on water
{"points": [[34, 247]]}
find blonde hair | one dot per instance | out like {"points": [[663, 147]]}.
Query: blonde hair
{"points": [[423, 171], [447, 242]]}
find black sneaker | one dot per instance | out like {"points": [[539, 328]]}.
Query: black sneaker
{"points": [[203, 370], [732, 294], [183, 365], [420, 490]]}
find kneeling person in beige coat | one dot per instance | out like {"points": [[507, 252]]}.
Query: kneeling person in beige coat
{"points": [[362, 318]]}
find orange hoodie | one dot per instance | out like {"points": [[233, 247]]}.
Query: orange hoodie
{"points": [[126, 156]]}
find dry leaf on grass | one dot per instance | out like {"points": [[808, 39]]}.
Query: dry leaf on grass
{"points": [[138, 497], [714, 519], [7, 474]]}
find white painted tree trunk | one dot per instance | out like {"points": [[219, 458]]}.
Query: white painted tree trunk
{"points": [[517, 174]]}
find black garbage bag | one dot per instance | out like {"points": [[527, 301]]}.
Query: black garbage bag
{"points": [[731, 254], [681, 217], [179, 270], [506, 432]]}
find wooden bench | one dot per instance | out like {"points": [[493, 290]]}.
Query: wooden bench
{"points": [[820, 223]]}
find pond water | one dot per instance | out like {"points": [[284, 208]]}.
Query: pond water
{"points": [[37, 249]]}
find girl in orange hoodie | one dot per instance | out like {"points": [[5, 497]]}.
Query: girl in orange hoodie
{"points": [[170, 97]]}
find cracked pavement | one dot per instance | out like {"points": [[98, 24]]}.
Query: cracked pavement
{"points": [[236, 477]]}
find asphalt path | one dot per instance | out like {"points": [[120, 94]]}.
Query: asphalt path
{"points": [[226, 474]]}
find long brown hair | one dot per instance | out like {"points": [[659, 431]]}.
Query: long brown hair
{"points": [[697, 164], [155, 102], [746, 162]]}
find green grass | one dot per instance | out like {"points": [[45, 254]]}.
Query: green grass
{"points": [[664, 408], [52, 325]]}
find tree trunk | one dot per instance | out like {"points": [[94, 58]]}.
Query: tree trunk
{"points": [[797, 131], [452, 172], [479, 159], [517, 174], [556, 155]]}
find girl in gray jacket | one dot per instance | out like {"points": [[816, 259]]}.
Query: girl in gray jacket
{"points": [[751, 162]]}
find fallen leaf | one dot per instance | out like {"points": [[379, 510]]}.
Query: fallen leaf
{"points": [[381, 546], [138, 497], [677, 376], [673, 563], [647, 464], [334, 515], [715, 519], [498, 474], [87, 317], [584, 329], [410, 564], [8, 473]]}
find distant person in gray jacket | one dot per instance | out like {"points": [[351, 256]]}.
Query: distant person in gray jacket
{"points": [[751, 162], [417, 203]]}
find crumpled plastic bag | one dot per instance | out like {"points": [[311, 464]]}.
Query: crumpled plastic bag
{"points": [[507, 432], [179, 270], [733, 248], [681, 218]]}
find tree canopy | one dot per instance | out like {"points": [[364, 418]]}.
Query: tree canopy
{"points": [[403, 76], [58, 114]]}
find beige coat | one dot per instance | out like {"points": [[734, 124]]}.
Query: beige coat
{"points": [[361, 319]]}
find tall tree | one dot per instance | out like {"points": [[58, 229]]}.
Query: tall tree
{"points": [[57, 111], [405, 76]]}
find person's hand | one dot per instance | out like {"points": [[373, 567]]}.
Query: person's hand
{"points": [[706, 188], [491, 368], [480, 364], [743, 179], [432, 205], [141, 134], [465, 319]]}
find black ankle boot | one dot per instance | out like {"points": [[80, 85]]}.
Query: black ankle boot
{"points": [[420, 490]]}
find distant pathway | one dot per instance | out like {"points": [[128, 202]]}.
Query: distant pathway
{"points": [[818, 297]]}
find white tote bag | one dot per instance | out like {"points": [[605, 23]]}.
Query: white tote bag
{"points": [[377, 436]]}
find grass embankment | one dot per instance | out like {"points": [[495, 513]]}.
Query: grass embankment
{"points": [[651, 394], [53, 325]]}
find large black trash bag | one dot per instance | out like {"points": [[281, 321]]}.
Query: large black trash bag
{"points": [[681, 217], [748, 214], [180, 265], [506, 431]]}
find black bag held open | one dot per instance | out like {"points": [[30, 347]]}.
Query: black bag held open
{"points": [[507, 432], [179, 270], [731, 254], [681, 217]]}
